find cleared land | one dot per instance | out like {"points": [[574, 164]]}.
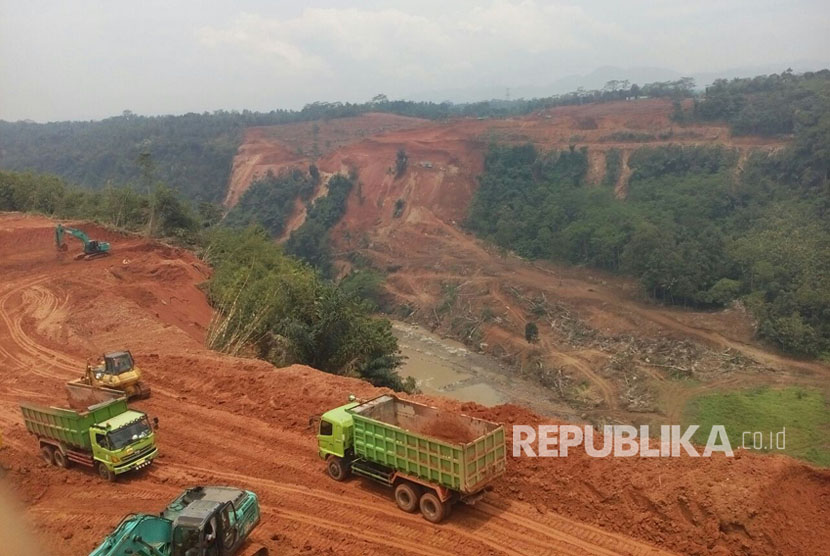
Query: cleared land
{"points": [[605, 354], [243, 422]]}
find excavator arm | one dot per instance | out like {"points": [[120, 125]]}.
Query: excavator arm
{"points": [[91, 247], [59, 231]]}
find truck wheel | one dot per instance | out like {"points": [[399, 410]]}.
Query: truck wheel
{"points": [[337, 468], [432, 508], [406, 497], [105, 473], [46, 455], [60, 459]]}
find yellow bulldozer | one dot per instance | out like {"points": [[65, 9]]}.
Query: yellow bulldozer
{"points": [[117, 371]]}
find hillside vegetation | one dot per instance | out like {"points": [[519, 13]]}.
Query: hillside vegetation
{"points": [[794, 420], [268, 304], [269, 201], [193, 153], [694, 229]]}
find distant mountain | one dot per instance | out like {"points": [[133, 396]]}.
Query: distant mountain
{"points": [[602, 75]]}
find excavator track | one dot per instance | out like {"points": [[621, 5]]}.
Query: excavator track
{"points": [[253, 549]]}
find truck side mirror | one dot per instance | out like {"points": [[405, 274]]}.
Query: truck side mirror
{"points": [[155, 423]]}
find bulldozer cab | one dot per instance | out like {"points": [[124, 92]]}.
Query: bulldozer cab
{"points": [[118, 362], [117, 370]]}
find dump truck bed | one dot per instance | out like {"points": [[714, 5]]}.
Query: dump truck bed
{"points": [[68, 425], [449, 449]]}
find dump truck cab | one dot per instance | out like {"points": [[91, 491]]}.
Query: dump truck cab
{"points": [[202, 521], [335, 434], [124, 442]]}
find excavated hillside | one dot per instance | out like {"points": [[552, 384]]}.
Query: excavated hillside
{"points": [[603, 351], [242, 422]]}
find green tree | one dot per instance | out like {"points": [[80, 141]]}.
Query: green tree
{"points": [[401, 160], [531, 332]]}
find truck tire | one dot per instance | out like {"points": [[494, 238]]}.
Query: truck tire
{"points": [[60, 459], [432, 508], [406, 496], [46, 454], [105, 473], [337, 468]]}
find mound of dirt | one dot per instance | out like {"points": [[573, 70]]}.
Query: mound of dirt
{"points": [[449, 429]]}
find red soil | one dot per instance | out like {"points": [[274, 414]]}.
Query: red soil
{"points": [[449, 429], [424, 249], [237, 421]]}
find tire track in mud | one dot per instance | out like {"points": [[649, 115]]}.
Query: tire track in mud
{"points": [[13, 320], [346, 509], [502, 530], [587, 537], [363, 534]]}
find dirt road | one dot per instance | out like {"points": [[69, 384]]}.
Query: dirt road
{"points": [[243, 422], [223, 420]]}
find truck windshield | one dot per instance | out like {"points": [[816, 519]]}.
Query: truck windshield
{"points": [[120, 364], [129, 434], [185, 540]]}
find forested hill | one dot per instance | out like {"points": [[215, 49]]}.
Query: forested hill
{"points": [[193, 153], [697, 227]]}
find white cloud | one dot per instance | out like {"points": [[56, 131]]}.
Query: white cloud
{"points": [[411, 48], [162, 57]]}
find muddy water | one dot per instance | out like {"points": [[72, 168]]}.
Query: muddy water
{"points": [[445, 367]]}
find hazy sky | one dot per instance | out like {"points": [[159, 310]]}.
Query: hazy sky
{"points": [[83, 59]]}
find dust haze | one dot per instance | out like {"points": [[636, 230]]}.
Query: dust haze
{"points": [[91, 60]]}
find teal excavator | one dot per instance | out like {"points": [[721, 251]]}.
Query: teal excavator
{"points": [[202, 521], [92, 248]]}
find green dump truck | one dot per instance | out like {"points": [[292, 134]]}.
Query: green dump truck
{"points": [[202, 521], [431, 458], [106, 435]]}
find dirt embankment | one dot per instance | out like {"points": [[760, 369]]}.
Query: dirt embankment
{"points": [[597, 336], [276, 148], [243, 422]]}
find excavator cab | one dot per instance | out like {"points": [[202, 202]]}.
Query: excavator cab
{"points": [[202, 521], [213, 521], [205, 529]]}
